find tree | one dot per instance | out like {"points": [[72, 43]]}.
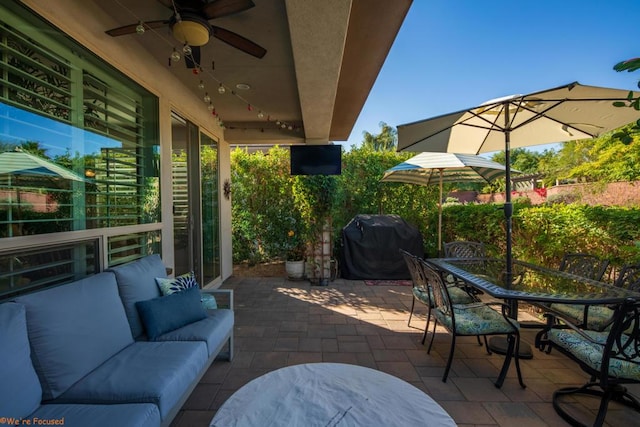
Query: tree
{"points": [[524, 160], [626, 135], [386, 140]]}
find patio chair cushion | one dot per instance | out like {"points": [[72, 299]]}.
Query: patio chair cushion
{"points": [[457, 295], [84, 327], [598, 317], [145, 372], [137, 282], [476, 319], [421, 295], [591, 353], [167, 313], [20, 390]]}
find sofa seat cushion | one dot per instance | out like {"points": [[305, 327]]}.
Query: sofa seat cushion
{"points": [[20, 391], [73, 329], [77, 415], [137, 282], [214, 330], [167, 313], [150, 372]]}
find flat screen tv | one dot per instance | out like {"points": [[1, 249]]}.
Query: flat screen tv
{"points": [[316, 159]]}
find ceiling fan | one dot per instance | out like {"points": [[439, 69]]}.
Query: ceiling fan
{"points": [[190, 25]]}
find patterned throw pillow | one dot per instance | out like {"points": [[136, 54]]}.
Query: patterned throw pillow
{"points": [[170, 286], [185, 281]]}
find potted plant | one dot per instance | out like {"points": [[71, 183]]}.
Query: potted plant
{"points": [[295, 252]]}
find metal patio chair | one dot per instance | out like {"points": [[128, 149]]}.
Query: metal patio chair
{"points": [[610, 357], [477, 318], [591, 267], [465, 249], [422, 292]]}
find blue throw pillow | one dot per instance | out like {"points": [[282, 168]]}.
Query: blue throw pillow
{"points": [[185, 281], [167, 313]]}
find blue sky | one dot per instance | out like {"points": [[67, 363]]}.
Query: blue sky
{"points": [[453, 54]]}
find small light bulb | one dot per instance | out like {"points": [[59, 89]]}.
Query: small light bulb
{"points": [[140, 28], [260, 114], [221, 89], [201, 85], [210, 107], [207, 98], [278, 122], [186, 49], [283, 126], [290, 127], [175, 56]]}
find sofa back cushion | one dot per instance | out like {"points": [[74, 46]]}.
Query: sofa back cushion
{"points": [[73, 329], [20, 391], [137, 282]]}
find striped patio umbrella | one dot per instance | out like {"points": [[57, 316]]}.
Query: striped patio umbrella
{"points": [[440, 168]]}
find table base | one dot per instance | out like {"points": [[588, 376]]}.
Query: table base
{"points": [[499, 345]]}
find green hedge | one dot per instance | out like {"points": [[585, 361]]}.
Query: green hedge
{"points": [[268, 203]]}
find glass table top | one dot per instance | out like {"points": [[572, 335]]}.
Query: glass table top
{"points": [[530, 282]]}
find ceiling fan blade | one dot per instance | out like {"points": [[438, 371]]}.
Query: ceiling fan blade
{"points": [[239, 42], [193, 60], [130, 29], [166, 3], [220, 8]]}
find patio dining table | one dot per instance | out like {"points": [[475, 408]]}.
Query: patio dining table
{"points": [[534, 284]]}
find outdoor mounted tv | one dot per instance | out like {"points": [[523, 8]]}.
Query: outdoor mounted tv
{"points": [[316, 159]]}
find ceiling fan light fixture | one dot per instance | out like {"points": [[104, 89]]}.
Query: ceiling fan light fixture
{"points": [[192, 33]]}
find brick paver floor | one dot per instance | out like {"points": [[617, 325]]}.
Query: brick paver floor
{"points": [[281, 323]]}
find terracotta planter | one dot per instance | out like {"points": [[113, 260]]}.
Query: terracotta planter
{"points": [[295, 269]]}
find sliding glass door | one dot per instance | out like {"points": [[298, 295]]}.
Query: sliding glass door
{"points": [[196, 214]]}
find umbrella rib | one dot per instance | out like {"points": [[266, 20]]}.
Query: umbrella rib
{"points": [[428, 136], [557, 102]]}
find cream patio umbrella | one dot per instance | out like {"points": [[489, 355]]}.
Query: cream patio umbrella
{"points": [[17, 163], [439, 168], [564, 113]]}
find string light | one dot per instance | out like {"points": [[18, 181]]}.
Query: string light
{"points": [[176, 56]]}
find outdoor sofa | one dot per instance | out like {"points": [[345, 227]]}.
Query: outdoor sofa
{"points": [[80, 354]]}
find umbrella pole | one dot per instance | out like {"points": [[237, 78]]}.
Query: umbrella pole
{"points": [[440, 251], [508, 208], [499, 344]]}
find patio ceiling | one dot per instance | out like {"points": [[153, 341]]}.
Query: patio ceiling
{"points": [[322, 60]]}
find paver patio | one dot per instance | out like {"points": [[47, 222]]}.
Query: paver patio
{"points": [[281, 322]]}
